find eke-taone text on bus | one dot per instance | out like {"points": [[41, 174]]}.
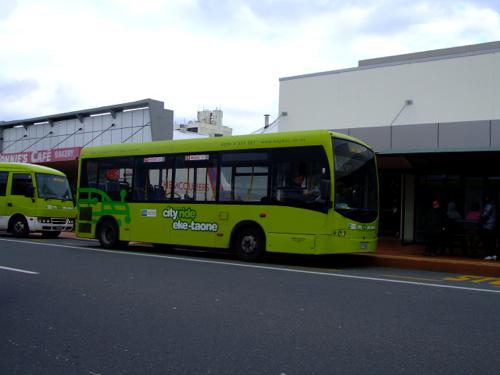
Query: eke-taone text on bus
{"points": [[311, 192], [34, 198]]}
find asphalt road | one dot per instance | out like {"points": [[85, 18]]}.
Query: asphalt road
{"points": [[67, 307]]}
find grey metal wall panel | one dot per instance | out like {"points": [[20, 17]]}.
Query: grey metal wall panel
{"points": [[495, 133], [415, 137], [162, 121], [470, 134], [379, 138]]}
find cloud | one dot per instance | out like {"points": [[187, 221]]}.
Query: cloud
{"points": [[15, 88], [6, 8], [10, 93], [197, 54]]}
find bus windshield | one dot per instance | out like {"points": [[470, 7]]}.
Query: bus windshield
{"points": [[355, 181], [52, 186]]}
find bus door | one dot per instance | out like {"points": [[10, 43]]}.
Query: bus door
{"points": [[22, 196], [152, 193], [243, 192], [4, 219], [191, 216]]}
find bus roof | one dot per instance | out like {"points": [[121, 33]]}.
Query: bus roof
{"points": [[26, 167], [235, 142]]}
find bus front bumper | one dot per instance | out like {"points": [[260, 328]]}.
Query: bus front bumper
{"points": [[50, 224]]}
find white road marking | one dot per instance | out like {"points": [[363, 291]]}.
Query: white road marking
{"points": [[18, 270], [255, 266]]}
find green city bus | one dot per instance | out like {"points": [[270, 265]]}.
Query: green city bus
{"points": [[34, 198], [309, 192]]}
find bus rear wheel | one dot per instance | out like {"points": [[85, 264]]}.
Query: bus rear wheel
{"points": [[20, 227], [108, 235], [249, 244]]}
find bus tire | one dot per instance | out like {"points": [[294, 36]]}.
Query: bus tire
{"points": [[19, 227], [249, 244], [108, 235], [51, 234]]}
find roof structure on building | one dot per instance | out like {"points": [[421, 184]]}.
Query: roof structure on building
{"points": [[438, 54], [80, 114]]}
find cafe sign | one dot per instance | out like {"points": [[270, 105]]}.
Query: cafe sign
{"points": [[43, 156]]}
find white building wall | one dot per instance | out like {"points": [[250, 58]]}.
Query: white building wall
{"points": [[456, 89]]}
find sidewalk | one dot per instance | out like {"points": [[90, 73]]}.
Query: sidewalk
{"points": [[390, 253]]}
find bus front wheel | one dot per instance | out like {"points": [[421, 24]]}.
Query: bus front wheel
{"points": [[108, 235], [249, 244], [20, 227]]}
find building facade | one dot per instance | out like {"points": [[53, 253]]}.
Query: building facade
{"points": [[209, 123], [56, 140], [433, 118]]}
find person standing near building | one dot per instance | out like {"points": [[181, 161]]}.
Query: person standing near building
{"points": [[488, 221], [435, 226], [452, 226]]}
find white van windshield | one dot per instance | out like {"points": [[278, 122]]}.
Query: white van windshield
{"points": [[52, 186]]}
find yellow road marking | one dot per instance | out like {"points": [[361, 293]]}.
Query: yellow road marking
{"points": [[411, 278], [476, 279]]}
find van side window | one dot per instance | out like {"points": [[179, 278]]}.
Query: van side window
{"points": [[3, 183], [22, 184]]}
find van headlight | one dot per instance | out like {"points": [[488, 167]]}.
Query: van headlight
{"points": [[51, 207]]}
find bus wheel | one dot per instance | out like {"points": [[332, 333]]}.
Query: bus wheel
{"points": [[249, 244], [20, 227], [51, 234], [108, 235]]}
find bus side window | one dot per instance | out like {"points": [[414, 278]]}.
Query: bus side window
{"points": [[183, 184], [152, 177], [89, 174], [22, 184], [243, 184], [3, 183], [301, 177], [244, 176], [225, 186], [115, 176], [206, 179], [250, 183], [195, 177]]}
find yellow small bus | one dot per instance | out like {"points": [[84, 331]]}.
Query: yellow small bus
{"points": [[34, 198], [310, 192]]}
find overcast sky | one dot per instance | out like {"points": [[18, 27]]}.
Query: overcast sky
{"points": [[65, 55]]}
